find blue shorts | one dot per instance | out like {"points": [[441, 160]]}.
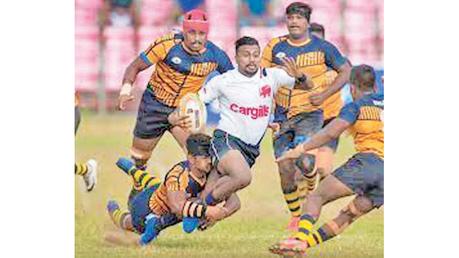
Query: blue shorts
{"points": [[139, 208], [222, 142], [297, 130], [152, 117], [334, 143], [364, 174]]}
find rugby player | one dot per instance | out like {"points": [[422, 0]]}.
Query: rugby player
{"points": [[183, 61], [331, 108], [159, 205], [245, 95], [362, 175], [87, 170], [298, 113]]}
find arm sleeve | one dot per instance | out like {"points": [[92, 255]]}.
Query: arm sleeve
{"points": [[333, 58], [281, 78], [211, 91], [158, 50], [224, 63], [350, 112]]}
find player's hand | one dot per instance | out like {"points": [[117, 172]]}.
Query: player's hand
{"points": [[317, 99], [289, 66], [175, 119], [215, 213], [123, 100], [275, 127], [292, 154]]}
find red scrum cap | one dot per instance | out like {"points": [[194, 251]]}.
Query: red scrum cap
{"points": [[197, 20]]}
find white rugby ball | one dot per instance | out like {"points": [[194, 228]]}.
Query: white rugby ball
{"points": [[192, 106]]}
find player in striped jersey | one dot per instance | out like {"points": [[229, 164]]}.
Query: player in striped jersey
{"points": [[182, 63], [362, 175], [162, 204]]}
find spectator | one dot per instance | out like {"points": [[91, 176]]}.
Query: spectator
{"points": [[119, 13], [256, 13]]}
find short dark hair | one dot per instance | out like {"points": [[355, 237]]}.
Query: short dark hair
{"points": [[363, 76], [299, 8], [246, 41], [198, 144], [316, 27]]}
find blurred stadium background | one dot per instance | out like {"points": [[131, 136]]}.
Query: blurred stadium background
{"points": [[110, 34]]}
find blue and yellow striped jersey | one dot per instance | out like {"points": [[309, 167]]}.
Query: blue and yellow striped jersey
{"points": [[178, 178], [367, 118], [177, 72], [314, 57]]}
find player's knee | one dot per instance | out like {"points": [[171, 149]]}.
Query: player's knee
{"points": [[358, 207], [244, 179], [306, 163], [140, 156]]}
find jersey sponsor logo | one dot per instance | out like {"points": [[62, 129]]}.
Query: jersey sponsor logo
{"points": [[176, 60], [253, 112], [265, 91], [281, 55]]}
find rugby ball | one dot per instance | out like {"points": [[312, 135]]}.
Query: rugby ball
{"points": [[192, 106]]}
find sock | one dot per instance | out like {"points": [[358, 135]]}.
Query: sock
{"points": [[311, 180], [143, 180], [210, 200], [302, 189], [293, 202], [305, 227], [118, 216], [81, 169]]}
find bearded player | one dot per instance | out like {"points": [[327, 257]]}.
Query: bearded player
{"points": [[245, 95], [362, 175], [183, 61], [298, 113], [160, 205]]}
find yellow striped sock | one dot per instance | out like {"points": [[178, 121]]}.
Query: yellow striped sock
{"points": [[302, 189], [118, 217], [293, 202], [144, 180], [81, 169], [305, 227], [311, 180]]}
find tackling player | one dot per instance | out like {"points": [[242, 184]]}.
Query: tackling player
{"points": [[298, 113], [245, 95], [160, 205], [87, 170], [361, 175], [183, 62]]}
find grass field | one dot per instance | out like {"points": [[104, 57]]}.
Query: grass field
{"points": [[260, 222]]}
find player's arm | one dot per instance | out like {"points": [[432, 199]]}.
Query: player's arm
{"points": [[211, 90], [154, 53], [333, 130], [335, 60], [232, 204]]}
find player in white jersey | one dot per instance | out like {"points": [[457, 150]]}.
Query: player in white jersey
{"points": [[245, 95]]}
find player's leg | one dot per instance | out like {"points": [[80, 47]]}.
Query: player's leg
{"points": [[325, 158], [306, 125], [235, 167], [287, 173], [120, 218], [180, 136], [88, 171]]}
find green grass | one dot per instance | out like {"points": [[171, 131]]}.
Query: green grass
{"points": [[259, 223]]}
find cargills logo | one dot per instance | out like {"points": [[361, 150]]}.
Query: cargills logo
{"points": [[253, 112]]}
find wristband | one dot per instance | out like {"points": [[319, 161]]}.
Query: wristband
{"points": [[193, 209], [126, 89]]}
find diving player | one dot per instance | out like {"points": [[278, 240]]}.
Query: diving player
{"points": [[159, 205], [362, 175], [245, 95], [183, 61], [299, 112]]}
